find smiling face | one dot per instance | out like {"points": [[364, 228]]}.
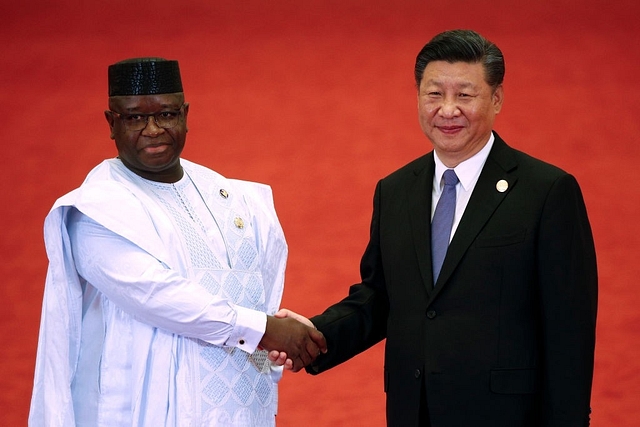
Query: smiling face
{"points": [[457, 109], [153, 152]]}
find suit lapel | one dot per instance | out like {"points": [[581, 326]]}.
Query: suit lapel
{"points": [[420, 212], [485, 199]]}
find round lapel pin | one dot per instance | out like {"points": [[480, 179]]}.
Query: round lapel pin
{"points": [[502, 186]]}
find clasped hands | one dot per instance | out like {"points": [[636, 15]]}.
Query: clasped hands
{"points": [[292, 340]]}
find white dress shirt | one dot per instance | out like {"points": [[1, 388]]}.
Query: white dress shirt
{"points": [[468, 173]]}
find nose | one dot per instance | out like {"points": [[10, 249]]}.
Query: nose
{"points": [[152, 128], [449, 108]]}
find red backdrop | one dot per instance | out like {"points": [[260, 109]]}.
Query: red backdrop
{"points": [[316, 98]]}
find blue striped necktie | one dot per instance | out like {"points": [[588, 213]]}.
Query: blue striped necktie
{"points": [[443, 221]]}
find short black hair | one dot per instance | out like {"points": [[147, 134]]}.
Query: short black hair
{"points": [[462, 46]]}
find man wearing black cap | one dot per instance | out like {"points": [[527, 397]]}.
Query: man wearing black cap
{"points": [[162, 278]]}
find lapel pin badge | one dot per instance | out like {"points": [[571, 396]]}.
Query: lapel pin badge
{"points": [[238, 222], [502, 186], [224, 193]]}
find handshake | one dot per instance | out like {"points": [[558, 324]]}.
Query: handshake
{"points": [[292, 340]]}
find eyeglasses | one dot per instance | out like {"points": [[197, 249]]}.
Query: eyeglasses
{"points": [[138, 121]]}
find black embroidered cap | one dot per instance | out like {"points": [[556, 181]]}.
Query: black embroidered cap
{"points": [[144, 76]]}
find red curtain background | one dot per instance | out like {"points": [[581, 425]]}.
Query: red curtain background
{"points": [[317, 99]]}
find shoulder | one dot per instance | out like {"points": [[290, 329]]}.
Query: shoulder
{"points": [[525, 165], [259, 197], [422, 166], [109, 195], [534, 177], [213, 184], [193, 168], [105, 181], [416, 167], [253, 189]]}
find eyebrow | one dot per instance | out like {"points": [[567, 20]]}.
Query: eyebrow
{"points": [[162, 107], [462, 85]]}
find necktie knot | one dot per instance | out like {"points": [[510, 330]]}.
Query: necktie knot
{"points": [[450, 177]]}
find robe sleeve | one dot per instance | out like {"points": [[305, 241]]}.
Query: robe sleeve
{"points": [[144, 287]]}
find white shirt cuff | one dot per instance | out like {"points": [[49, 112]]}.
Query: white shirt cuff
{"points": [[249, 329]]}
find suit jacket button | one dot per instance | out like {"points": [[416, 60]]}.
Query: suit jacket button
{"points": [[431, 314], [417, 373]]}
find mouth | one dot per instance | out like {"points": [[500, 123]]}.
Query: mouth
{"points": [[155, 148], [450, 129]]}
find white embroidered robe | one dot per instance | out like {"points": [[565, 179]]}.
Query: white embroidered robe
{"points": [[174, 344]]}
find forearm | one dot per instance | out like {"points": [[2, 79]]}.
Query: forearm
{"points": [[140, 285]]}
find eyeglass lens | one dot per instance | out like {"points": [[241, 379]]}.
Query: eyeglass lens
{"points": [[163, 119]]}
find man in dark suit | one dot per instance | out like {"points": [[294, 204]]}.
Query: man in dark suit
{"points": [[504, 335]]}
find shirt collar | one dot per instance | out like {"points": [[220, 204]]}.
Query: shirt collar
{"points": [[468, 170]]}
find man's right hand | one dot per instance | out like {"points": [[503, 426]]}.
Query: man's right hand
{"points": [[299, 342]]}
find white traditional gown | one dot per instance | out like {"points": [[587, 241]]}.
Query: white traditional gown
{"points": [[155, 302]]}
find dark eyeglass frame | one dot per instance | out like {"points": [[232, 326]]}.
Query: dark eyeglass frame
{"points": [[143, 119]]}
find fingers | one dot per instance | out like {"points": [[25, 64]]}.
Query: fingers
{"points": [[288, 365], [319, 339], [315, 344], [283, 313], [279, 358], [307, 353], [291, 343]]}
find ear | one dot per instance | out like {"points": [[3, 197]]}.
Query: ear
{"points": [[498, 99], [109, 116], [186, 112]]}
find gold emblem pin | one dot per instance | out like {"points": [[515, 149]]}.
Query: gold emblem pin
{"points": [[502, 186], [239, 222], [224, 193]]}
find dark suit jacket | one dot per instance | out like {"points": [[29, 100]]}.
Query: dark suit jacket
{"points": [[506, 337]]}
